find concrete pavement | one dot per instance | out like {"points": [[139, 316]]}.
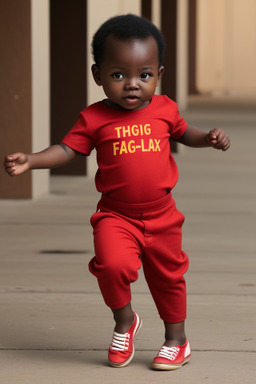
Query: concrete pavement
{"points": [[54, 327]]}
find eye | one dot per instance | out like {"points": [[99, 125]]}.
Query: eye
{"points": [[118, 75], [145, 75]]}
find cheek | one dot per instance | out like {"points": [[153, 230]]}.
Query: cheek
{"points": [[150, 88], [112, 88]]}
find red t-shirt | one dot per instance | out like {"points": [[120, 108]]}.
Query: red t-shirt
{"points": [[133, 150]]}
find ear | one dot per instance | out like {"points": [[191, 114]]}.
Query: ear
{"points": [[96, 74], [160, 73]]}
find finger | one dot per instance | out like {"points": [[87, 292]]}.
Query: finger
{"points": [[212, 135], [9, 158], [9, 164], [226, 147], [13, 173], [216, 132], [213, 141], [13, 156], [224, 144], [220, 145], [10, 171]]}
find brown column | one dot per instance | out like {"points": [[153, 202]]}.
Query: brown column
{"points": [[146, 9], [15, 92], [192, 47], [68, 72], [169, 29]]}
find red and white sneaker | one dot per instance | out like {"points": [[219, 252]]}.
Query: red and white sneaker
{"points": [[170, 358], [121, 349]]}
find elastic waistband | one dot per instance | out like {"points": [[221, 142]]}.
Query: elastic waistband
{"points": [[119, 206]]}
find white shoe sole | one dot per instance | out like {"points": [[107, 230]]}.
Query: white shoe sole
{"points": [[169, 367]]}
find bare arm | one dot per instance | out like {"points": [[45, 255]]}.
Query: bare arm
{"points": [[52, 157], [216, 138]]}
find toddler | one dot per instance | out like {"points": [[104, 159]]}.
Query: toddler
{"points": [[136, 222]]}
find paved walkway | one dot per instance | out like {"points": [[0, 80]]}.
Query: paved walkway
{"points": [[54, 327]]}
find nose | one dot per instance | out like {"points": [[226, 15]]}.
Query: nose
{"points": [[131, 83]]}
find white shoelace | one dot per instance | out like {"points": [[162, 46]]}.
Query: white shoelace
{"points": [[120, 341], [168, 352]]}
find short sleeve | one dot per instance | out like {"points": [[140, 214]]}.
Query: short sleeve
{"points": [[180, 126], [79, 137]]}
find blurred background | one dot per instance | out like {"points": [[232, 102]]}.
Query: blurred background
{"points": [[46, 60]]}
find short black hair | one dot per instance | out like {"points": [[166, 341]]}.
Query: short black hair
{"points": [[126, 27]]}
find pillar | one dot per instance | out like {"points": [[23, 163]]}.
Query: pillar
{"points": [[24, 91]]}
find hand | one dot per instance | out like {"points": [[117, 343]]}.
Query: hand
{"points": [[218, 139], [16, 164]]}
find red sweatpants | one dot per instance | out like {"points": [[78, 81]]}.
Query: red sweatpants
{"points": [[128, 235]]}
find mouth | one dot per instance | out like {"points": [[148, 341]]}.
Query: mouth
{"points": [[131, 99]]}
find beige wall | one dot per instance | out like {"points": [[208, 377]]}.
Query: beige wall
{"points": [[242, 46], [226, 41], [182, 54], [40, 31]]}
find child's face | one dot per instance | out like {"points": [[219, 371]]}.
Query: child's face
{"points": [[129, 72]]}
